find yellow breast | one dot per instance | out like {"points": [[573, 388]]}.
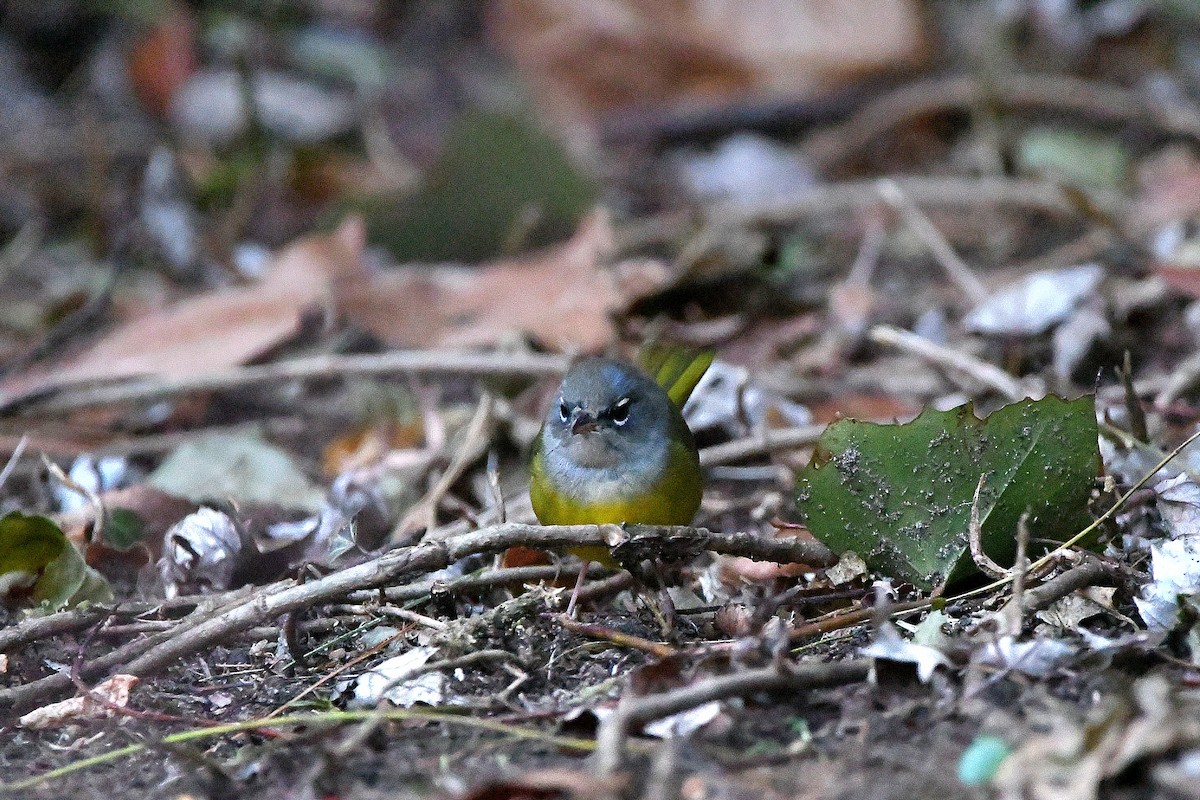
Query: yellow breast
{"points": [[673, 499]]}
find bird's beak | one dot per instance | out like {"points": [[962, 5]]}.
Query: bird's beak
{"points": [[582, 422]]}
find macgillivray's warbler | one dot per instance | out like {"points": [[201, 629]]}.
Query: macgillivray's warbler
{"points": [[614, 448]]}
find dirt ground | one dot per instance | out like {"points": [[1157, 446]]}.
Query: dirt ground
{"points": [[289, 287]]}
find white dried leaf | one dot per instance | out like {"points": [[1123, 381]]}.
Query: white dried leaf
{"points": [[745, 167], [201, 551], [1036, 303], [389, 681], [1179, 505], [1038, 658], [849, 567], [1174, 571], [212, 107], [889, 646], [685, 723], [727, 398], [1070, 611], [1073, 339]]}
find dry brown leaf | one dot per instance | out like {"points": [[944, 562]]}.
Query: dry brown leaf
{"points": [[585, 57], [737, 570], [1168, 190], [164, 58], [367, 445], [562, 296], [864, 406], [111, 692], [156, 509], [1168, 202], [223, 328]]}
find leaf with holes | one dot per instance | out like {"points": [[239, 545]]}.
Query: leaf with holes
{"points": [[900, 495]]}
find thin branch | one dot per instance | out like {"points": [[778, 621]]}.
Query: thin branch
{"points": [[833, 199], [975, 537], [1055, 92], [1091, 571], [956, 361], [72, 395], [765, 441], [848, 619], [636, 711], [514, 576], [201, 630], [17, 452], [952, 264], [34, 628], [619, 638]]}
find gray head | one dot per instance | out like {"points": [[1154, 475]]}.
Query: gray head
{"points": [[607, 414]]}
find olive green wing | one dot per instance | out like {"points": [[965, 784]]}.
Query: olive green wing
{"points": [[676, 370]]}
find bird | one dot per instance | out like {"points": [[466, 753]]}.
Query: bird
{"points": [[614, 448]]}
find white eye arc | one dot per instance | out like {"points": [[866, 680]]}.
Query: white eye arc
{"points": [[564, 413], [620, 411]]}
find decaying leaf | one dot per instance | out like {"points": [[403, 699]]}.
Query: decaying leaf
{"points": [[587, 58], [1178, 501], [242, 467], [1072, 760], [562, 296], [223, 328], [201, 550], [890, 646], [685, 723], [1174, 575], [399, 680], [38, 563], [98, 704], [1036, 303], [901, 495]]}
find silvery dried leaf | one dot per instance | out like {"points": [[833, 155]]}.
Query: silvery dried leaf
{"points": [[1036, 303], [200, 551]]}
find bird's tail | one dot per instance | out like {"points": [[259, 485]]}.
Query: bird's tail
{"points": [[675, 369]]}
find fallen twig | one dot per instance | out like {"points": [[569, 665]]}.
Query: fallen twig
{"points": [[952, 264], [203, 628], [635, 711], [975, 539], [1057, 92], [69, 396], [1090, 571], [831, 199], [17, 452], [767, 440], [619, 638], [848, 619], [490, 579], [955, 360]]}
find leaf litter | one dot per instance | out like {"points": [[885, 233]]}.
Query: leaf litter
{"points": [[1019, 244]]}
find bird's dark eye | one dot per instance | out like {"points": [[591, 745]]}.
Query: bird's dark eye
{"points": [[620, 411], [563, 412]]}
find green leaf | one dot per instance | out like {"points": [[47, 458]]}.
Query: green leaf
{"points": [[1095, 162], [124, 529], [500, 182], [900, 495], [36, 555], [242, 467]]}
